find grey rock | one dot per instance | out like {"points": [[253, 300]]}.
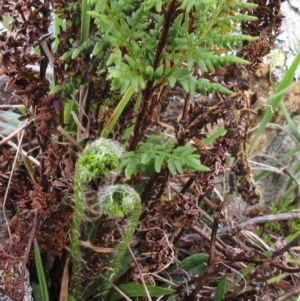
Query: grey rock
{"points": [[287, 43], [273, 186]]}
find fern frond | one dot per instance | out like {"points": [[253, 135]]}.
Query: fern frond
{"points": [[228, 41], [152, 156], [86, 47], [132, 30], [68, 87]]}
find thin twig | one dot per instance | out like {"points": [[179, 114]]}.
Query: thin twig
{"points": [[15, 133], [274, 126], [24, 153], [7, 107], [87, 244], [285, 248], [118, 290], [259, 220], [9, 182], [212, 249], [207, 237], [140, 274], [64, 288], [295, 290], [69, 138], [27, 251]]}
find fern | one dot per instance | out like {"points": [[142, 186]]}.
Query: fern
{"points": [[67, 87], [129, 33], [133, 29], [153, 156]]}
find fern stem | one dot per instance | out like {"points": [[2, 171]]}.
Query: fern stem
{"points": [[99, 158], [118, 201], [198, 43], [75, 230]]}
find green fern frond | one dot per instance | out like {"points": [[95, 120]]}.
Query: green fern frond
{"points": [[228, 41], [152, 155], [239, 6], [86, 47], [68, 87], [132, 30]]}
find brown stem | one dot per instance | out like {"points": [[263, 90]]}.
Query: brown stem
{"points": [[186, 107], [211, 256], [141, 121], [147, 102], [295, 290], [87, 108], [165, 29], [26, 255], [260, 219]]}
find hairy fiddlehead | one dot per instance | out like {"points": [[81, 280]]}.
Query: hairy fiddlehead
{"points": [[118, 201], [100, 158]]}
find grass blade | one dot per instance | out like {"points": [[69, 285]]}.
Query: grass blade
{"points": [[275, 100], [117, 113], [40, 272], [290, 121], [220, 291]]}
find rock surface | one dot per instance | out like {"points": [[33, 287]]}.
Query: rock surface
{"points": [[288, 43], [4, 95]]}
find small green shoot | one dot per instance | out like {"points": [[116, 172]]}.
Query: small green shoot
{"points": [[220, 291], [40, 272], [138, 290]]}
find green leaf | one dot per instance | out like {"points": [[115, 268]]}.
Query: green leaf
{"points": [[178, 165], [128, 155], [172, 167], [158, 163], [159, 72], [130, 170], [9, 122], [158, 5], [40, 272], [36, 291], [185, 151], [195, 264], [146, 158], [209, 140], [220, 291], [194, 164], [172, 81], [137, 290]]}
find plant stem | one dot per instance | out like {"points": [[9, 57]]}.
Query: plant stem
{"points": [[118, 201], [85, 21], [117, 113], [58, 22], [75, 230], [99, 158]]}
